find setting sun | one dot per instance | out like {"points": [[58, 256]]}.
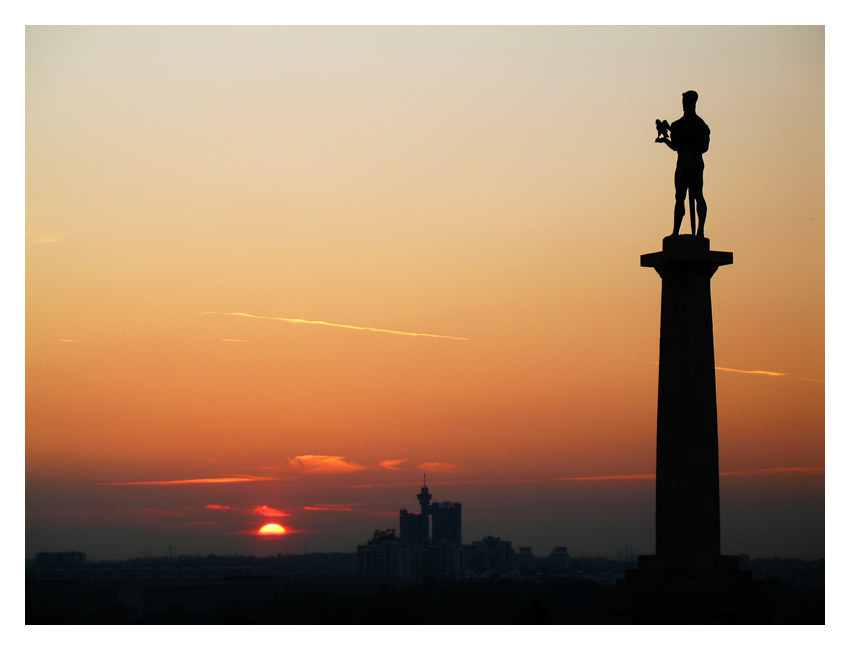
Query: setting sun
{"points": [[272, 529]]}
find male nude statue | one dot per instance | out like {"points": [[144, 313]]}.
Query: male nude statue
{"points": [[689, 137]]}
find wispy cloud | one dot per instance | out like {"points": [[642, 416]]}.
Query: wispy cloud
{"points": [[235, 340], [766, 373], [747, 472], [439, 467], [369, 486], [775, 470], [266, 511], [391, 464], [301, 321], [768, 471], [192, 481], [67, 340], [214, 506], [318, 464], [331, 507]]}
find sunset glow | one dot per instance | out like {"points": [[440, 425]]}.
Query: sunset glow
{"points": [[281, 273], [272, 529]]}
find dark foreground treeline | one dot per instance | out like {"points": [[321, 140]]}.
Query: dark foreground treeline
{"points": [[559, 602]]}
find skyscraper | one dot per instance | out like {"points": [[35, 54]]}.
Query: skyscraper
{"points": [[446, 521]]}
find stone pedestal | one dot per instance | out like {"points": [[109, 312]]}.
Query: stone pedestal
{"points": [[663, 593], [687, 580]]}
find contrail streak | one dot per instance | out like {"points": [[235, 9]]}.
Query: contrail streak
{"points": [[753, 372], [302, 321], [766, 373], [192, 481], [767, 471]]}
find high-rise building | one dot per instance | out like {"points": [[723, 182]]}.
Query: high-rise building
{"points": [[413, 528], [446, 521], [429, 543]]}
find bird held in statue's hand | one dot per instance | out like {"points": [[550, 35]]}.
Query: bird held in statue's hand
{"points": [[662, 128]]}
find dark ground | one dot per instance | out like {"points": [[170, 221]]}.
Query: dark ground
{"points": [[497, 602]]}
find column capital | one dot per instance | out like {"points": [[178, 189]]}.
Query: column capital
{"points": [[686, 249]]}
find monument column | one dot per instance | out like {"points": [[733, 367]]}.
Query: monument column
{"points": [[687, 516], [687, 580]]}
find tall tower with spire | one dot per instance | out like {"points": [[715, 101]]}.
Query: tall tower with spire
{"points": [[415, 528], [424, 498]]}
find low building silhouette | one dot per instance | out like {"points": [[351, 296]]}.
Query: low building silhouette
{"points": [[65, 559], [559, 560], [491, 555], [387, 556], [524, 560]]}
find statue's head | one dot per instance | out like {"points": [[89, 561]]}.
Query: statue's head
{"points": [[689, 100]]}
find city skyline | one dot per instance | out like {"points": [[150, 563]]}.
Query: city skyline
{"points": [[275, 274]]}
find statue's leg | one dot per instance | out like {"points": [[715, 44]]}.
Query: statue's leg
{"points": [[702, 207], [678, 215], [693, 215], [679, 209]]}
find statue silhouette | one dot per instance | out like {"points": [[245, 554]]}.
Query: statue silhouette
{"points": [[689, 137]]}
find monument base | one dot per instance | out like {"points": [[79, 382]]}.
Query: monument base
{"points": [[688, 591]]}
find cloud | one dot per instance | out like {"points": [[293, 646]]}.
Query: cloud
{"points": [[202, 523], [439, 467], [391, 464], [330, 507], [235, 340], [747, 472], [193, 481], [768, 471], [265, 511], [318, 464], [369, 486], [213, 506], [301, 321], [775, 470], [68, 340], [766, 373]]}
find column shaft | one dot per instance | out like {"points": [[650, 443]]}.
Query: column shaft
{"points": [[687, 499]]}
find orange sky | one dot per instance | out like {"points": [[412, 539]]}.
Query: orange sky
{"points": [[206, 206]]}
